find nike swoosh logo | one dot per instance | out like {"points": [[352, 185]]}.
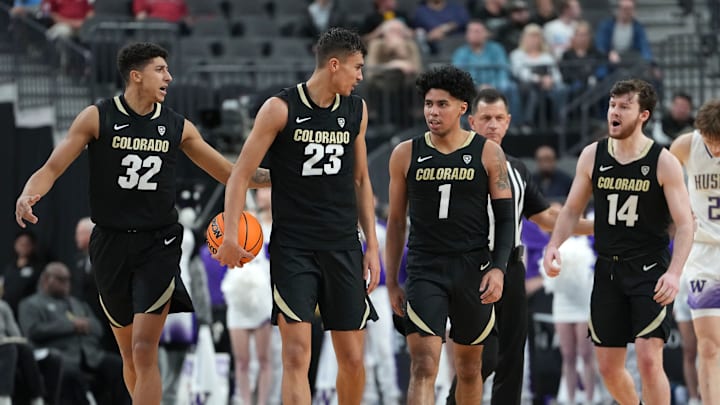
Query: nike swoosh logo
{"points": [[299, 120], [484, 266], [648, 267], [605, 168], [423, 158], [119, 127], [169, 241]]}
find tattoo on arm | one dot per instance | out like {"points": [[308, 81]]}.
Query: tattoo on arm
{"points": [[261, 177], [502, 181]]}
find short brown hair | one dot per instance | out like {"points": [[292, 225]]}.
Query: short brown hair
{"points": [[647, 97], [708, 120]]}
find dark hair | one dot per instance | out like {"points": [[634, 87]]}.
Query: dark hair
{"points": [[708, 120], [682, 94], [455, 81], [488, 95], [647, 98], [338, 42], [136, 56]]}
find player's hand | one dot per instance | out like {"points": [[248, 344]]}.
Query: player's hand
{"points": [[23, 209], [552, 261], [491, 286], [666, 288], [230, 254], [82, 325], [397, 298], [371, 265]]}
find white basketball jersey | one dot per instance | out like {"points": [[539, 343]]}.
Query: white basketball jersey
{"points": [[703, 177]]}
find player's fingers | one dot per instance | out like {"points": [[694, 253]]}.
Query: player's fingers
{"points": [[30, 217]]}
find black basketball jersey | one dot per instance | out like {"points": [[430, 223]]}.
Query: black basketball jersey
{"points": [[631, 213], [311, 168], [132, 166], [448, 197]]}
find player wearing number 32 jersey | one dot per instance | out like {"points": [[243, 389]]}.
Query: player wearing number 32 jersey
{"points": [[133, 143]]}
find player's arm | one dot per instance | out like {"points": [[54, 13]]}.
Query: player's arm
{"points": [[366, 205], [397, 221], [499, 186], [83, 130], [547, 218], [681, 147], [270, 120], [567, 221], [670, 177]]}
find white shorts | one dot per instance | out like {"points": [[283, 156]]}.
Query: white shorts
{"points": [[681, 309], [702, 277]]}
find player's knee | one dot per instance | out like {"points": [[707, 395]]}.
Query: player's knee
{"points": [[648, 364], [468, 371], [144, 354], [424, 366], [708, 348], [296, 356], [352, 361], [608, 369]]}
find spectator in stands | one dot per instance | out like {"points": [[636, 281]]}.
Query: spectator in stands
{"points": [[67, 17], [559, 32], [678, 118], [18, 363], [437, 19], [53, 319], [20, 276], [488, 64], [509, 33], [491, 12], [167, 10], [321, 15], [581, 64], [539, 76], [544, 12], [394, 50], [385, 10], [553, 182], [26, 8]]}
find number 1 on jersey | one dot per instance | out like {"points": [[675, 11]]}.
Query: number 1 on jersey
{"points": [[444, 190]]}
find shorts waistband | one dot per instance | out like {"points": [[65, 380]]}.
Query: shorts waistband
{"points": [[621, 258]]}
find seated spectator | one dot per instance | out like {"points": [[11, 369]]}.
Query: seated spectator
{"points": [[491, 12], [385, 10], [166, 10], [581, 64], [53, 319], [509, 33], [553, 182], [678, 118], [437, 19], [26, 8], [394, 49], [20, 277], [321, 15], [67, 17], [558, 32], [544, 12], [539, 76], [18, 363], [487, 63]]}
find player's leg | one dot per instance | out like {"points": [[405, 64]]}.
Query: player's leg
{"points": [[655, 384], [707, 329], [585, 351], [349, 351], [689, 351], [240, 342], [424, 362], [617, 379], [123, 337], [468, 365], [146, 332], [296, 346]]}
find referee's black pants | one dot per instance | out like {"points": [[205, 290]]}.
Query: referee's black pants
{"points": [[504, 353]]}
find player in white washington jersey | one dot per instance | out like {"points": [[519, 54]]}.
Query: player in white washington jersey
{"points": [[699, 152]]}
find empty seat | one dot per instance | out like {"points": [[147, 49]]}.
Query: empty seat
{"points": [[255, 25], [281, 7], [291, 48], [121, 8], [210, 26]]}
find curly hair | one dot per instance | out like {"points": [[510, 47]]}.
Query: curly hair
{"points": [[338, 42], [455, 81], [136, 56], [647, 97], [708, 120]]}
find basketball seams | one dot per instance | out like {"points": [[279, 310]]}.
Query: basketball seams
{"points": [[217, 228]]}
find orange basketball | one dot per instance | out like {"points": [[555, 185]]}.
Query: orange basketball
{"points": [[250, 234]]}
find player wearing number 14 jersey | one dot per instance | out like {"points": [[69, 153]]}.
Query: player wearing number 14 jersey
{"points": [[637, 188], [133, 143]]}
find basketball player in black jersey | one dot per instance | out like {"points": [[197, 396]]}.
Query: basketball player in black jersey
{"points": [[315, 135], [638, 189], [504, 353], [133, 143], [445, 177]]}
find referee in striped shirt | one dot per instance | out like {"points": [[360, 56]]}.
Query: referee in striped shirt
{"points": [[491, 119]]}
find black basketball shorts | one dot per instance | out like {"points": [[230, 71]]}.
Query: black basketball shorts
{"points": [[622, 307], [329, 279], [138, 272], [439, 287]]}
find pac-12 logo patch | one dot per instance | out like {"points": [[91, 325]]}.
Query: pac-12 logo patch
{"points": [[341, 122], [467, 159], [645, 170], [161, 130]]}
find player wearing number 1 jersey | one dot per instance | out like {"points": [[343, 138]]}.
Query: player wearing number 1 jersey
{"points": [[315, 135], [133, 143], [637, 188]]}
